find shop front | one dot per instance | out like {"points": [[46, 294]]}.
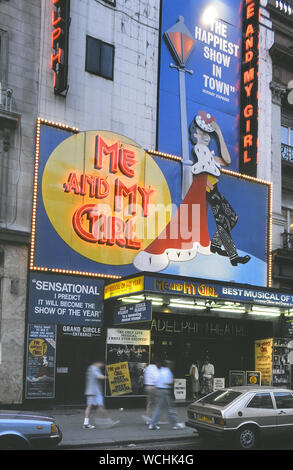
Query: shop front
{"points": [[191, 319]]}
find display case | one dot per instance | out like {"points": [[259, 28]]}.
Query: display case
{"points": [[273, 360], [281, 362]]}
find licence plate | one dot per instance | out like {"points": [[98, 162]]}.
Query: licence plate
{"points": [[205, 419]]}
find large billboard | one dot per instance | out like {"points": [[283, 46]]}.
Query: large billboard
{"points": [[200, 76], [104, 207]]}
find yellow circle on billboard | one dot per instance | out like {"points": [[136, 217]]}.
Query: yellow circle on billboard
{"points": [[253, 379], [105, 196], [38, 347]]}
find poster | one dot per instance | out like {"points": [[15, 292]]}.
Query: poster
{"points": [[236, 378], [210, 72], [253, 377], [65, 300], [41, 361], [139, 312], [264, 359], [119, 379], [127, 352]]}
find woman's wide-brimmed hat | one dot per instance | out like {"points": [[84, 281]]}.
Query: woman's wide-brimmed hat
{"points": [[204, 121]]}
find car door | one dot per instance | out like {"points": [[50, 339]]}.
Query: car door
{"points": [[260, 409], [284, 404]]}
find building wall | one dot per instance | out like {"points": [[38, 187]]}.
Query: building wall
{"points": [[20, 30], [12, 327], [126, 105]]}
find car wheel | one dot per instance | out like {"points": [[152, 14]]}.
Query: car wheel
{"points": [[247, 438], [13, 443]]}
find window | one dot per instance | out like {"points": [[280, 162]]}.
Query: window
{"points": [[288, 216], [220, 397], [99, 58], [287, 135], [261, 400], [284, 399], [3, 57]]}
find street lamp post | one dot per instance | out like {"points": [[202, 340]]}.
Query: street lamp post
{"points": [[181, 43]]}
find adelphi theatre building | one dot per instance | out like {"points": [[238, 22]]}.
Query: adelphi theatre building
{"points": [[141, 253]]}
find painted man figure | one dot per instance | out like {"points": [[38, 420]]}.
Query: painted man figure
{"points": [[225, 217]]}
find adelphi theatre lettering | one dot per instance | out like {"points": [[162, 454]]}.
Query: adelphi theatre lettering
{"points": [[198, 327]]}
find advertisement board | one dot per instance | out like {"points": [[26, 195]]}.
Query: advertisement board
{"points": [[104, 207], [207, 38], [253, 377], [127, 355], [65, 300], [236, 378], [203, 289], [41, 362], [134, 313], [264, 360]]}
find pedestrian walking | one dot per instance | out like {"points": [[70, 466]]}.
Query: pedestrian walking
{"points": [[94, 395], [208, 372], [151, 374], [195, 384], [164, 391]]}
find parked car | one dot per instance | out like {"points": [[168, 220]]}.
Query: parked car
{"points": [[19, 430], [245, 414]]}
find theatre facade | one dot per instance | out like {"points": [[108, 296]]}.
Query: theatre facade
{"points": [[140, 253]]}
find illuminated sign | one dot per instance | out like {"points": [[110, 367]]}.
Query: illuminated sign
{"points": [[249, 88], [59, 44], [106, 191], [127, 286]]}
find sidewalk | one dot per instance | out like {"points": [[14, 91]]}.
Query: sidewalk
{"points": [[131, 429]]}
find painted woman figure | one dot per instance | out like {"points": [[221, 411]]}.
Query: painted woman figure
{"points": [[203, 189]]}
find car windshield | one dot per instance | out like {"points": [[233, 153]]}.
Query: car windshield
{"points": [[220, 397]]}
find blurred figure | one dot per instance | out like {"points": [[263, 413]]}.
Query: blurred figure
{"points": [[151, 375], [94, 394], [164, 391]]}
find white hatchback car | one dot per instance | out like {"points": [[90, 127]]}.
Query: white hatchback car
{"points": [[246, 414]]}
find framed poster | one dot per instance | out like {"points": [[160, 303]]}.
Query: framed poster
{"points": [[236, 378], [41, 361], [127, 355], [264, 359], [253, 377]]}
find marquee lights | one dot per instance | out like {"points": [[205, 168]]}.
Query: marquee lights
{"points": [[249, 88], [114, 165], [165, 155], [284, 7], [270, 217]]}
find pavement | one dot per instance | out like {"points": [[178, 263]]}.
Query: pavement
{"points": [[130, 431]]}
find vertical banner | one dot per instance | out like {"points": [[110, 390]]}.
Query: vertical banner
{"points": [[249, 88], [264, 360], [127, 355], [41, 361]]}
